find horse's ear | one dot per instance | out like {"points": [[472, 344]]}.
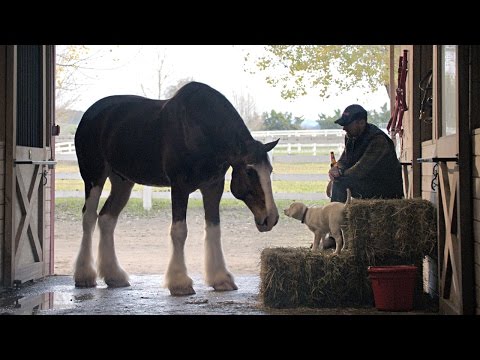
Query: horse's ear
{"points": [[269, 146]]}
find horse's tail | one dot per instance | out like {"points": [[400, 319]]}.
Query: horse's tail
{"points": [[90, 158]]}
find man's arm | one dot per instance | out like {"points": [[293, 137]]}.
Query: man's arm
{"points": [[374, 153]]}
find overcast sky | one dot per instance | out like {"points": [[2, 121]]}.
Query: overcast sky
{"points": [[127, 67]]}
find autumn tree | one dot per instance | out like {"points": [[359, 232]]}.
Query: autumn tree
{"points": [[68, 60], [162, 72], [172, 89], [72, 66], [246, 107], [296, 68]]}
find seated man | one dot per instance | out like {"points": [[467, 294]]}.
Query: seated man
{"points": [[369, 165]]}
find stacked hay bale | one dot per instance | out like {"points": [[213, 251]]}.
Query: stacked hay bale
{"points": [[380, 233], [293, 277]]}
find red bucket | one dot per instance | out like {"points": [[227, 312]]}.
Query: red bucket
{"points": [[393, 286]]}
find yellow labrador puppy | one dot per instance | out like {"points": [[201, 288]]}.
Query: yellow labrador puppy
{"points": [[322, 220]]}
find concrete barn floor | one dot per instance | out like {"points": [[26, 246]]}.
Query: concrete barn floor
{"points": [[57, 295]]}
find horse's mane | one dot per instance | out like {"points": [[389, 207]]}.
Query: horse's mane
{"points": [[190, 88]]}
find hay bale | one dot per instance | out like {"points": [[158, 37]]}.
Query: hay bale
{"points": [[292, 277], [394, 232], [390, 232], [380, 233]]}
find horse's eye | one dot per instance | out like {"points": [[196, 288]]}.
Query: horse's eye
{"points": [[251, 171]]}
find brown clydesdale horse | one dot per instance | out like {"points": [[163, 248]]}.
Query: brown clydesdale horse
{"points": [[187, 142]]}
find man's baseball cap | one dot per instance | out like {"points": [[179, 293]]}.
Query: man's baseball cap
{"points": [[351, 113]]}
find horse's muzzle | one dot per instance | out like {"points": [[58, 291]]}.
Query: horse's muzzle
{"points": [[267, 224]]}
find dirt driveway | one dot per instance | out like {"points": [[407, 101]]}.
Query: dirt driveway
{"points": [[143, 244]]}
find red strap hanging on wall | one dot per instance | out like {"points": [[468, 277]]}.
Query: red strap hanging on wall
{"points": [[395, 125]]}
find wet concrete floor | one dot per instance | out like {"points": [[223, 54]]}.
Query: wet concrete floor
{"points": [[57, 295]]}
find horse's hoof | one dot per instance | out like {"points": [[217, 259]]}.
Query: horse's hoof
{"points": [[225, 286], [85, 283], [85, 276], [223, 282], [116, 283], [179, 284], [85, 279], [182, 291], [113, 276]]}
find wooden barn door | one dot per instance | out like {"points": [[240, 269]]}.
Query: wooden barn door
{"points": [[453, 171], [27, 175]]}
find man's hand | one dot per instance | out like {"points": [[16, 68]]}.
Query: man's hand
{"points": [[333, 172]]}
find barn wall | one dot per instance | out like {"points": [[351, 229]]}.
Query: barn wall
{"points": [[475, 128], [49, 209], [47, 246], [429, 149], [428, 193], [417, 136], [405, 147], [2, 206], [3, 50], [476, 211], [406, 150], [48, 113]]}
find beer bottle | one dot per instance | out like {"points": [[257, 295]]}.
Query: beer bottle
{"points": [[333, 162]]}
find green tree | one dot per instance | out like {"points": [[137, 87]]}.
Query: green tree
{"points": [[328, 122], [295, 68], [281, 121], [378, 118]]}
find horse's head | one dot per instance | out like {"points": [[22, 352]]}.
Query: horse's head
{"points": [[251, 183]]}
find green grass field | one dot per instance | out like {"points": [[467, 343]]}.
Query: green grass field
{"points": [[279, 168], [71, 208], [278, 186]]}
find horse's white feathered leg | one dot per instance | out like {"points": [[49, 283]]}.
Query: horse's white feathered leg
{"points": [[216, 273], [84, 271], [108, 267], [176, 278]]}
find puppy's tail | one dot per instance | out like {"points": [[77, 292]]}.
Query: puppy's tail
{"points": [[349, 196]]}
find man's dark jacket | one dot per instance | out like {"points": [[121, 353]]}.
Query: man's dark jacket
{"points": [[371, 162]]}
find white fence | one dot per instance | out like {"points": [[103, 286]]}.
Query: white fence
{"points": [[306, 148], [297, 133], [67, 148], [300, 139]]}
